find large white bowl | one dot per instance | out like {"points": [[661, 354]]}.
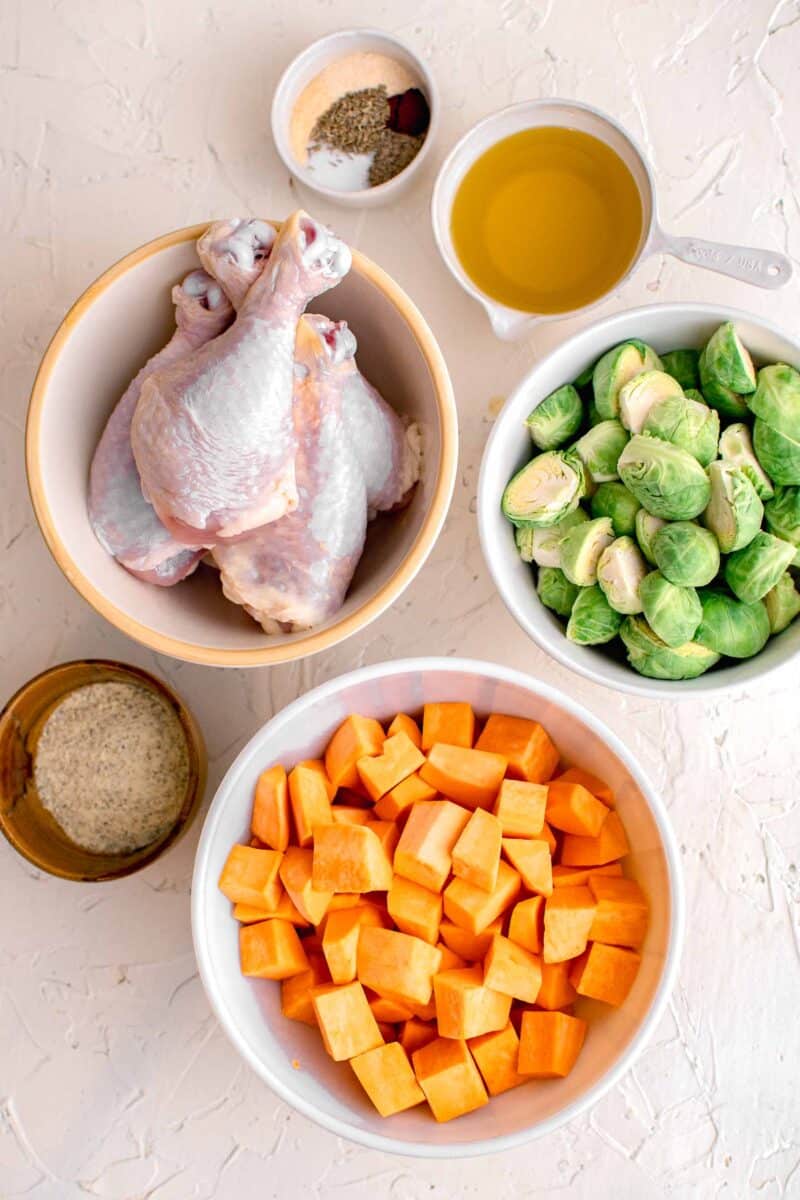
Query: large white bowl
{"points": [[665, 327], [327, 1092]]}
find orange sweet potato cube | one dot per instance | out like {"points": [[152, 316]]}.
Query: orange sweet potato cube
{"points": [[531, 857], [580, 876], [474, 909], [342, 900], [270, 819], [556, 990], [414, 909], [348, 814], [573, 809], [296, 1003], [387, 1011], [284, 909], [318, 765], [416, 1033], [386, 1076], [520, 806], [397, 965], [497, 1055], [476, 854], [345, 1020], [568, 916], [470, 777], [472, 947], [403, 723], [397, 802], [549, 1043], [548, 836], [311, 806], [450, 960], [465, 1006], [356, 737], [526, 925], [449, 721], [592, 784], [340, 940], [296, 876], [250, 876], [447, 1074], [387, 834], [425, 848], [399, 758], [530, 753], [610, 844], [349, 858], [605, 972], [271, 950], [511, 970], [622, 911]]}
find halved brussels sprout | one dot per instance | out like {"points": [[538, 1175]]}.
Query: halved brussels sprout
{"points": [[585, 377], [778, 454], [599, 449], [694, 394], [730, 627], [581, 548], [782, 517], [666, 480], [715, 393], [673, 613], [615, 368], [592, 620], [647, 526], [736, 448], [783, 603], [556, 419], [546, 543], [545, 490], [686, 554], [555, 591], [682, 365], [620, 571], [728, 361], [523, 540], [734, 513], [752, 572], [637, 397], [615, 501], [686, 423], [651, 656], [776, 399]]}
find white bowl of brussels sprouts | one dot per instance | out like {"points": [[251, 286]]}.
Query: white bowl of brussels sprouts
{"points": [[639, 500]]}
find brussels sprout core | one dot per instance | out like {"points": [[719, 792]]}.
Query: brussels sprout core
{"points": [[620, 571], [734, 512], [736, 448], [581, 548], [666, 480], [545, 490], [556, 419]]}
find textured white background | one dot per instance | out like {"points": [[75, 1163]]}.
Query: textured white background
{"points": [[120, 120]]}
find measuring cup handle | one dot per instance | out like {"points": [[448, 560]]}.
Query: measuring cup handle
{"points": [[764, 268]]}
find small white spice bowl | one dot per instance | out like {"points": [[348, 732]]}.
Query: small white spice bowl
{"points": [[303, 69]]}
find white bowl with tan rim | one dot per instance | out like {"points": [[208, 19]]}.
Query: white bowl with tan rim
{"points": [[115, 326]]}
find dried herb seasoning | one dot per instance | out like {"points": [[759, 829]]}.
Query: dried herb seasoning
{"points": [[369, 121], [393, 152]]}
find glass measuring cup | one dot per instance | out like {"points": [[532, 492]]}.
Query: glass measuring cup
{"points": [[765, 268]]}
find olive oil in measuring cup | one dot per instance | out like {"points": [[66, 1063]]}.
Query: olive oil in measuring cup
{"points": [[547, 220]]}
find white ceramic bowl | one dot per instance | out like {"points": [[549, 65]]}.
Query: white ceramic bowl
{"points": [[249, 1010], [115, 326], [307, 66], [663, 326]]}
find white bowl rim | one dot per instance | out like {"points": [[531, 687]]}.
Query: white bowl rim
{"points": [[713, 683], [677, 908]]}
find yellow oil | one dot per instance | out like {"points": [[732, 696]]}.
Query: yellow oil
{"points": [[547, 220]]}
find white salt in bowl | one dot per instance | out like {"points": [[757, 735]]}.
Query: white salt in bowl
{"points": [[290, 1057]]}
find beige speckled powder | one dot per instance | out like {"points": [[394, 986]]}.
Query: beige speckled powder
{"points": [[112, 766]]}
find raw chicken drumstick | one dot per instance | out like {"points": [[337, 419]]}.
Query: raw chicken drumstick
{"points": [[213, 434], [123, 521], [295, 573], [233, 252]]}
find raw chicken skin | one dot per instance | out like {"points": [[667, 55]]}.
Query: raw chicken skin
{"points": [[233, 253], [294, 573], [212, 434], [125, 524]]}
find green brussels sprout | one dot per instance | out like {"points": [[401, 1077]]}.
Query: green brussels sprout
{"points": [[599, 449], [694, 394], [647, 526], [728, 361], [776, 399], [581, 548], [592, 415], [783, 603], [750, 573], [651, 656], [717, 395], [736, 448], [523, 540], [665, 479], [782, 517], [638, 396], [734, 513], [556, 419], [778, 454], [585, 377], [615, 368], [545, 490], [730, 627], [673, 613], [592, 620], [546, 543], [555, 591], [615, 501], [686, 554], [620, 571], [686, 423], [682, 365]]}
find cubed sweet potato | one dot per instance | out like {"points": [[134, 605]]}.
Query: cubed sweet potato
{"points": [[523, 743], [388, 1079], [448, 721], [349, 858], [622, 911], [271, 950], [531, 857], [340, 939], [526, 926], [311, 807], [415, 909], [474, 909], [510, 969], [398, 759], [250, 876], [610, 844], [592, 784], [497, 1055], [476, 854], [349, 814], [296, 1003], [397, 964], [403, 723], [520, 807], [345, 1020], [355, 737], [447, 1074], [270, 819], [296, 876], [568, 916], [396, 804], [573, 809], [465, 1006], [556, 990], [580, 876], [415, 1033], [424, 852], [470, 777], [550, 1043], [470, 946], [605, 972]]}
